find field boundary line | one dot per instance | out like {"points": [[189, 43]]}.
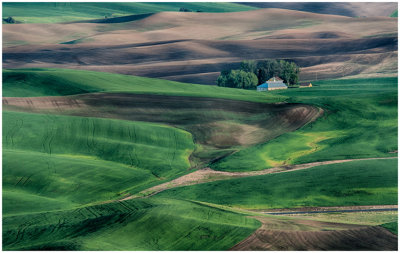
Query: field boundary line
{"points": [[207, 174]]}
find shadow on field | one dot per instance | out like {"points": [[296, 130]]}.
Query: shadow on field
{"points": [[220, 125], [122, 19]]}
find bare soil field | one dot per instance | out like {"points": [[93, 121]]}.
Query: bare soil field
{"points": [[316, 235], [195, 47], [351, 9]]}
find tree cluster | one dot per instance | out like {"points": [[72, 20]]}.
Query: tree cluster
{"points": [[9, 20], [266, 69], [183, 9], [252, 73], [237, 79]]}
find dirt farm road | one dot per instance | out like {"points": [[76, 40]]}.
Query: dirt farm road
{"points": [[209, 175], [338, 210], [298, 234]]}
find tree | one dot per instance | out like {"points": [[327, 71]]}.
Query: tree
{"points": [[9, 20], [285, 71], [250, 81], [288, 71], [267, 69], [222, 80], [237, 79], [249, 66], [252, 73], [294, 75], [183, 9]]}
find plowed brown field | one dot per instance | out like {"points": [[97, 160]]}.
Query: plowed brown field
{"points": [[315, 235], [195, 47]]}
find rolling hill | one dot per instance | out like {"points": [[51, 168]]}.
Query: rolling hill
{"points": [[163, 225], [204, 111], [101, 120], [355, 183], [208, 111], [64, 12], [112, 142], [349, 127], [195, 47], [114, 153], [350, 9]]}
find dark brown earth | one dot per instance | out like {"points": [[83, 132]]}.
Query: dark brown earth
{"points": [[295, 234], [370, 238]]}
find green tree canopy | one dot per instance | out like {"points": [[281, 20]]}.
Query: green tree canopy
{"points": [[237, 79], [259, 71], [288, 71], [249, 66]]}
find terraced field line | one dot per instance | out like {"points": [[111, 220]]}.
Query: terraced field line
{"points": [[322, 208], [208, 175], [344, 209]]}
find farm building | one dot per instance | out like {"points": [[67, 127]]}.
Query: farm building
{"points": [[275, 83], [305, 85]]}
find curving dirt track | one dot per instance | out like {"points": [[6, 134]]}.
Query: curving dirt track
{"points": [[328, 209], [209, 175], [333, 211]]}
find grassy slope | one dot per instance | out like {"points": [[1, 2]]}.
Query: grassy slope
{"points": [[148, 224], [360, 114], [206, 119], [108, 233], [371, 182], [392, 227], [361, 218], [53, 162], [360, 120], [61, 82], [63, 12]]}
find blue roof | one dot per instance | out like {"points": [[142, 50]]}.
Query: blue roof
{"points": [[264, 85]]}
